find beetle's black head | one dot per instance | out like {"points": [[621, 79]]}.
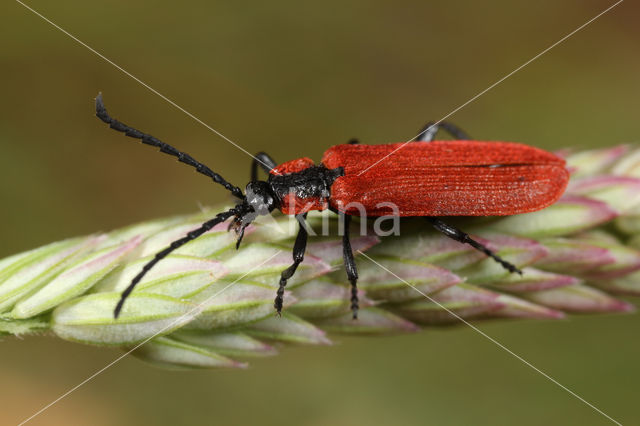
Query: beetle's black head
{"points": [[259, 200], [260, 197]]}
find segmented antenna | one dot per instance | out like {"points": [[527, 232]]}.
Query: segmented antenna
{"points": [[220, 217], [183, 157]]}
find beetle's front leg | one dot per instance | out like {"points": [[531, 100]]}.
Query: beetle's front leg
{"points": [[456, 234], [299, 248], [263, 160]]}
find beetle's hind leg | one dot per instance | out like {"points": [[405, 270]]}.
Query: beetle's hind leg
{"points": [[263, 160], [350, 264], [428, 132], [456, 234], [299, 248]]}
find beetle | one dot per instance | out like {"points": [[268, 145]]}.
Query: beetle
{"points": [[423, 177]]}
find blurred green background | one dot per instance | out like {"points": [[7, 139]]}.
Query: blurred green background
{"points": [[294, 78]]}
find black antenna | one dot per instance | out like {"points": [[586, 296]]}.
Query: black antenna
{"points": [[101, 113], [220, 217]]}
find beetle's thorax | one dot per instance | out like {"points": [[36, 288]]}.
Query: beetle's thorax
{"points": [[300, 186]]}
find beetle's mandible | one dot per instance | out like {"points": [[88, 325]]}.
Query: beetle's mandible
{"points": [[424, 178]]}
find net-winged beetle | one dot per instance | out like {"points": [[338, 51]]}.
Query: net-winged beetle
{"points": [[425, 178]]}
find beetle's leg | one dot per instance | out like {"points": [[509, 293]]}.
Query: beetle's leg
{"points": [[299, 248], [263, 160], [456, 234], [428, 132], [350, 264]]}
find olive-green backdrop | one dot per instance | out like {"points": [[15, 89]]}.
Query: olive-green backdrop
{"points": [[293, 78]]}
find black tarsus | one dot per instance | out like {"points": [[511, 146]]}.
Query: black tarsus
{"points": [[263, 160], [456, 234], [241, 235], [428, 132], [350, 264], [299, 247], [101, 113], [220, 217]]}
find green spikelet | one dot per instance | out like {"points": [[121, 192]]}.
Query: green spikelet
{"points": [[208, 305]]}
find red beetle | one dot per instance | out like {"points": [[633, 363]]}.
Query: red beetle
{"points": [[423, 178]]}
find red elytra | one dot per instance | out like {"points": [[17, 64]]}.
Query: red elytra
{"points": [[438, 178]]}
